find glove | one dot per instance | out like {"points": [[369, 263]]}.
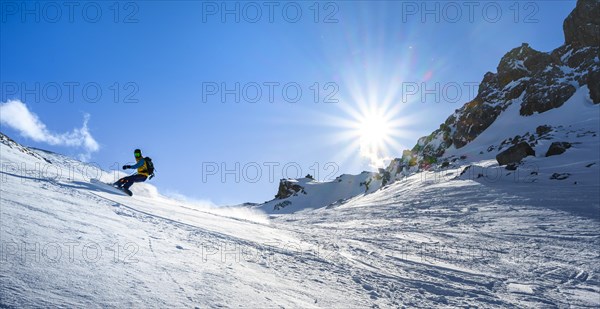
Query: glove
{"points": [[126, 166]]}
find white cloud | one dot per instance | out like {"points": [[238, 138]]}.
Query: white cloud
{"points": [[16, 115]]}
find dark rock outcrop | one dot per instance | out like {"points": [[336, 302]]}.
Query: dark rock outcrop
{"points": [[543, 130], [560, 176], [512, 166], [594, 85], [543, 97], [519, 63], [515, 154], [282, 205], [582, 27], [287, 188], [557, 148], [385, 176]]}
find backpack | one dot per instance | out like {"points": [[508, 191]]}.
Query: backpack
{"points": [[149, 166]]}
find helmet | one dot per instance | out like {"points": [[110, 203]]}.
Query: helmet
{"points": [[137, 153]]}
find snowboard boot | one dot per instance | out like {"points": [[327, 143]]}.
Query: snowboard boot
{"points": [[119, 184]]}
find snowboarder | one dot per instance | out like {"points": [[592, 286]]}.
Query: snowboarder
{"points": [[144, 169]]}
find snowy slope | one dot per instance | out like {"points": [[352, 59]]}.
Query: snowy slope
{"points": [[65, 242], [570, 123], [316, 194], [424, 241], [444, 241]]}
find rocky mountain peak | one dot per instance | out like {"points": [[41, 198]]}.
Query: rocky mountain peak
{"points": [[582, 26], [537, 81]]}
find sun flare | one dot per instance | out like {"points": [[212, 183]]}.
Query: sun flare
{"points": [[373, 128], [375, 132], [375, 117]]}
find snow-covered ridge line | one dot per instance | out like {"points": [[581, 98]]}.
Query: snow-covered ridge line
{"points": [[527, 83], [536, 81], [535, 98]]}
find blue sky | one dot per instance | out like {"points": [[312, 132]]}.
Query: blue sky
{"points": [[164, 57]]}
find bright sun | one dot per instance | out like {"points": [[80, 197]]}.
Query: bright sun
{"points": [[374, 132], [373, 129]]}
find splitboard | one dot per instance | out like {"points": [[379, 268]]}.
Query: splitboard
{"points": [[107, 187]]}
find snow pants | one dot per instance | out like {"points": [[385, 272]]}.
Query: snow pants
{"points": [[126, 182]]}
